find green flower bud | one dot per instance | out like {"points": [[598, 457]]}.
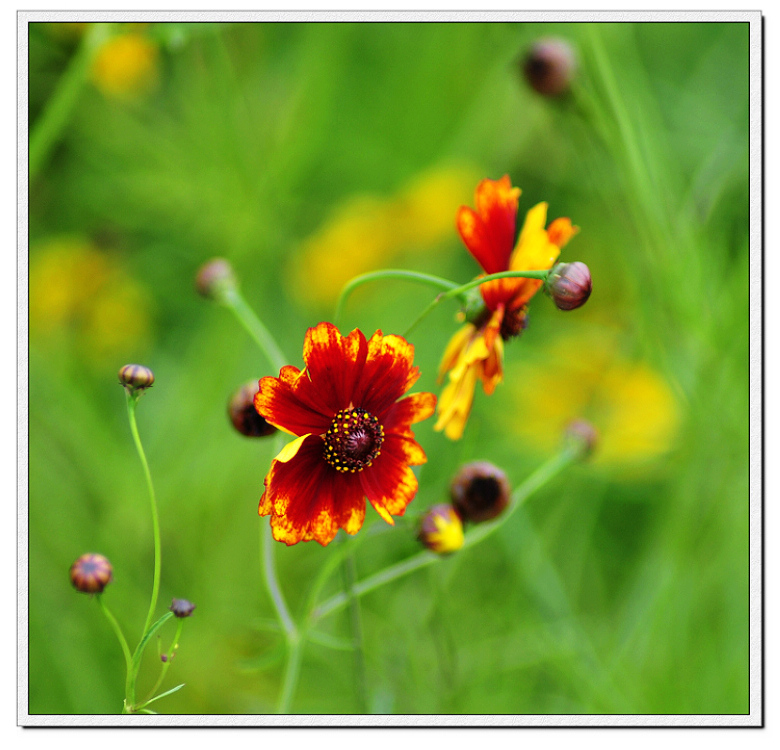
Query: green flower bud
{"points": [[215, 279]]}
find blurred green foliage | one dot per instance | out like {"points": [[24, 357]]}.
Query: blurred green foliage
{"points": [[614, 590]]}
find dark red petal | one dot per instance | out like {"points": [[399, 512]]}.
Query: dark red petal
{"points": [[292, 403], [387, 375], [334, 363], [405, 449], [389, 484], [407, 411], [307, 499]]}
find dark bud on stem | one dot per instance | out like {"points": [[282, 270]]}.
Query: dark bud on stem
{"points": [[569, 285], [581, 437], [181, 607], [136, 378], [215, 279], [91, 573], [441, 530], [480, 491], [244, 416], [549, 66]]}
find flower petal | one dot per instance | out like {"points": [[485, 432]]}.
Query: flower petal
{"points": [[489, 232], [387, 375], [290, 402], [389, 484], [405, 448], [561, 231], [308, 500], [334, 363]]}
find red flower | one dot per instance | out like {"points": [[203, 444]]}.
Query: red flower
{"points": [[354, 437], [476, 352]]}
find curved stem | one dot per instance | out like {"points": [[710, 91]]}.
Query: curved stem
{"points": [[540, 477], [291, 673], [125, 649], [49, 126], [166, 664], [272, 582], [246, 316], [388, 273], [131, 402], [459, 290]]}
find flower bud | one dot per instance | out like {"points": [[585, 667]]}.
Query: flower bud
{"points": [[581, 437], [181, 607], [91, 573], [244, 416], [136, 378], [441, 529], [549, 66], [215, 279], [480, 491], [569, 285]]}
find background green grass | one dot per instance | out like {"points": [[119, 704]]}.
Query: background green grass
{"points": [[617, 589]]}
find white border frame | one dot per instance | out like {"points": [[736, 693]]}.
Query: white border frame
{"points": [[756, 668]]}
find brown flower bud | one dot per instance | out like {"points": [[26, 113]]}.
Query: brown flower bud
{"points": [[569, 285], [480, 491], [244, 416], [441, 530], [549, 66], [181, 607], [215, 279], [581, 436], [91, 573], [136, 378]]}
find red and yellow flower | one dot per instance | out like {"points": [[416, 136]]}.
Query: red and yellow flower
{"points": [[353, 434], [476, 351]]}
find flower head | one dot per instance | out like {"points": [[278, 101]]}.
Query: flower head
{"points": [[136, 378], [354, 436], [91, 573], [476, 353], [441, 530], [244, 416], [480, 491], [569, 285], [550, 66], [182, 607]]}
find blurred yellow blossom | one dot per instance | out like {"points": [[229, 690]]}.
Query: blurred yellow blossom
{"points": [[586, 375], [367, 232], [77, 289], [126, 66]]}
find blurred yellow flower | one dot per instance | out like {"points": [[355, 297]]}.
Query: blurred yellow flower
{"points": [[366, 233], [126, 66], [586, 375], [75, 287]]}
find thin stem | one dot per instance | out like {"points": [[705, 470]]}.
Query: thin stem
{"points": [[118, 631], [459, 290], [52, 121], [254, 327], [421, 560], [272, 582], [132, 399], [356, 626], [166, 663], [389, 273], [291, 673]]}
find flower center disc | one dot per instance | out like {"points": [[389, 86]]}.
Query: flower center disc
{"points": [[353, 440]]}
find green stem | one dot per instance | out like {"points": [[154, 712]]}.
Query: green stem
{"points": [[254, 327], [129, 683], [291, 673], [356, 626], [272, 582], [166, 664], [421, 560], [132, 399], [460, 290], [52, 121], [388, 273]]}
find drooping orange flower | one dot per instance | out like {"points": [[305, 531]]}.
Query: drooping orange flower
{"points": [[476, 351], [353, 434]]}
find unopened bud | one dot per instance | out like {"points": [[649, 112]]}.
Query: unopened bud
{"points": [[441, 529], [136, 378], [549, 66], [181, 607], [569, 285], [581, 437], [480, 491], [244, 416], [91, 573], [215, 279]]}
